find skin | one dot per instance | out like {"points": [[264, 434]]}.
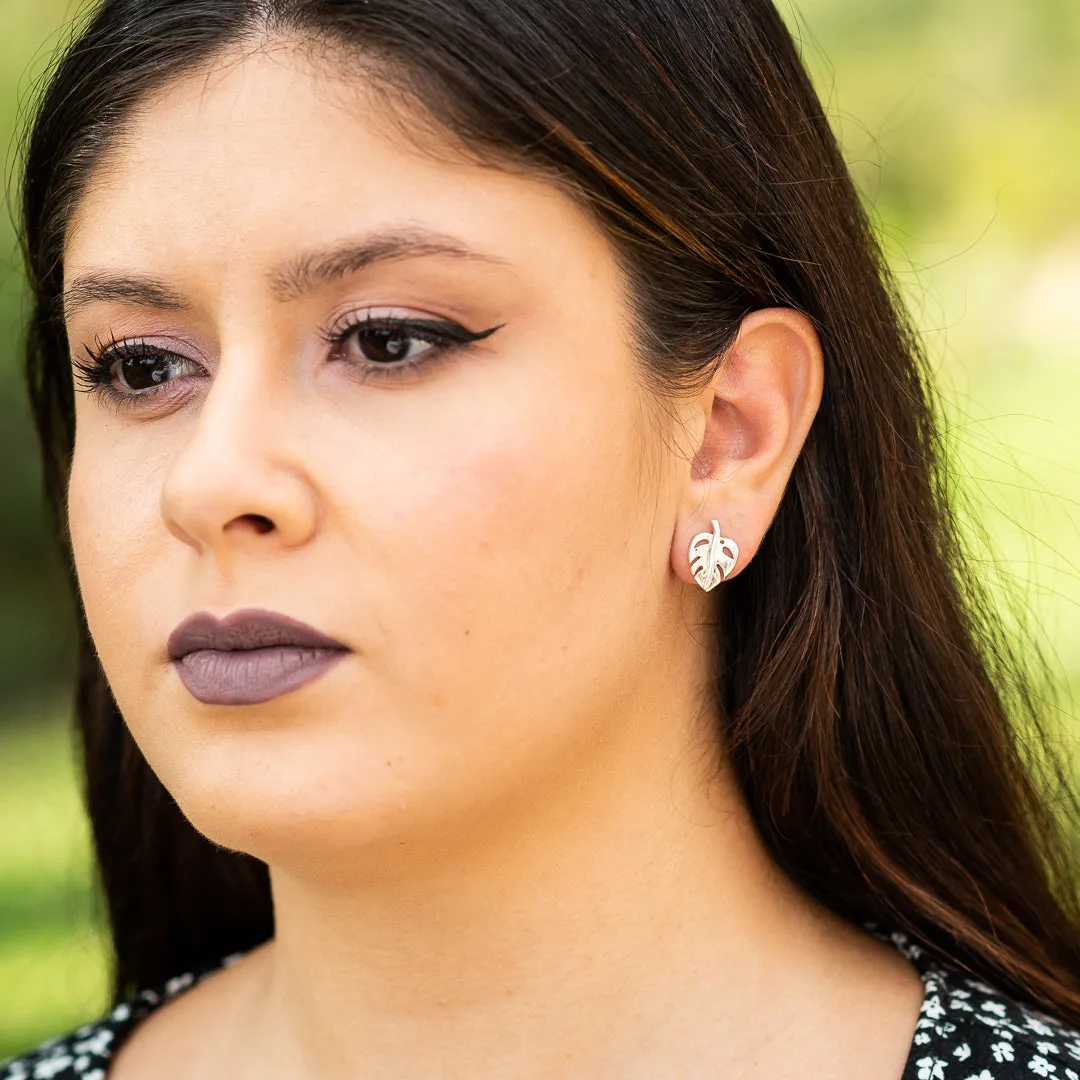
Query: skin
{"points": [[502, 836]]}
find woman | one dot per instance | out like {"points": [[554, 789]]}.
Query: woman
{"points": [[525, 633]]}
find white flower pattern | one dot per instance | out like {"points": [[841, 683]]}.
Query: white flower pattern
{"points": [[966, 1030]]}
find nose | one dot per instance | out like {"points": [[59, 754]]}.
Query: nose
{"points": [[235, 483]]}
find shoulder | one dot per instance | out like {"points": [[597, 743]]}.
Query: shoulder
{"points": [[87, 1052], [968, 1030]]}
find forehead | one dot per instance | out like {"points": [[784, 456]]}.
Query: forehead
{"points": [[266, 153]]}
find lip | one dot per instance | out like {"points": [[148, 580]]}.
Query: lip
{"points": [[249, 657]]}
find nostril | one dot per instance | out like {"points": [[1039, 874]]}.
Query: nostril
{"points": [[262, 524]]}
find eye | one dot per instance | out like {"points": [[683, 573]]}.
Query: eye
{"points": [[382, 344], [395, 348], [132, 374], [144, 371]]}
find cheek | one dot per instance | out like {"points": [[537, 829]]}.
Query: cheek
{"points": [[115, 534], [502, 528]]}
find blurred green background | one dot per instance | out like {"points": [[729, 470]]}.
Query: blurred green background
{"points": [[961, 120]]}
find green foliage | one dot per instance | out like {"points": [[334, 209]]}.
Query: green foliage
{"points": [[52, 954], [35, 612], [960, 124]]}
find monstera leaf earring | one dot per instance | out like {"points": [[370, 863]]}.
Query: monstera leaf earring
{"points": [[712, 557]]}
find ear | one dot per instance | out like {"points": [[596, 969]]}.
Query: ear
{"points": [[747, 429]]}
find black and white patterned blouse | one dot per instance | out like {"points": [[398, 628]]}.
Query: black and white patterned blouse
{"points": [[966, 1031]]}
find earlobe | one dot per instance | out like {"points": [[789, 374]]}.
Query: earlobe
{"points": [[758, 409]]}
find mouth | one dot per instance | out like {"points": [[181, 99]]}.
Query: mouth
{"points": [[249, 657]]}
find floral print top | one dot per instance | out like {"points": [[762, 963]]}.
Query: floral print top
{"points": [[966, 1031]]}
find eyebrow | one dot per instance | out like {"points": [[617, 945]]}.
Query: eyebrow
{"points": [[289, 280], [102, 286], [301, 275]]}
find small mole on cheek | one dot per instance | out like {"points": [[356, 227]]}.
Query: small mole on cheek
{"points": [[467, 631]]}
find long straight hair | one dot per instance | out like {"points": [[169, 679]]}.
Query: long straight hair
{"points": [[869, 697]]}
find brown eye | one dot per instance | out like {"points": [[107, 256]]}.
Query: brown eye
{"points": [[389, 347], [386, 345], [147, 370]]}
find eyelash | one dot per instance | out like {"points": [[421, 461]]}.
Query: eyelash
{"points": [[95, 373]]}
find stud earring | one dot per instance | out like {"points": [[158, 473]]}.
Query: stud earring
{"points": [[712, 557]]}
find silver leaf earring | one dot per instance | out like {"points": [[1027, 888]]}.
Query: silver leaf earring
{"points": [[712, 557]]}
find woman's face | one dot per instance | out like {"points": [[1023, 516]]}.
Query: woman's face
{"points": [[485, 525]]}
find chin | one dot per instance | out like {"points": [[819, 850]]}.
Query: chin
{"points": [[280, 796], [282, 829]]}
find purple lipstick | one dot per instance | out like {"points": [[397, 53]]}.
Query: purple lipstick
{"points": [[249, 657]]}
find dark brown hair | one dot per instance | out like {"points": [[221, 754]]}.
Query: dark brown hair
{"points": [[882, 730]]}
